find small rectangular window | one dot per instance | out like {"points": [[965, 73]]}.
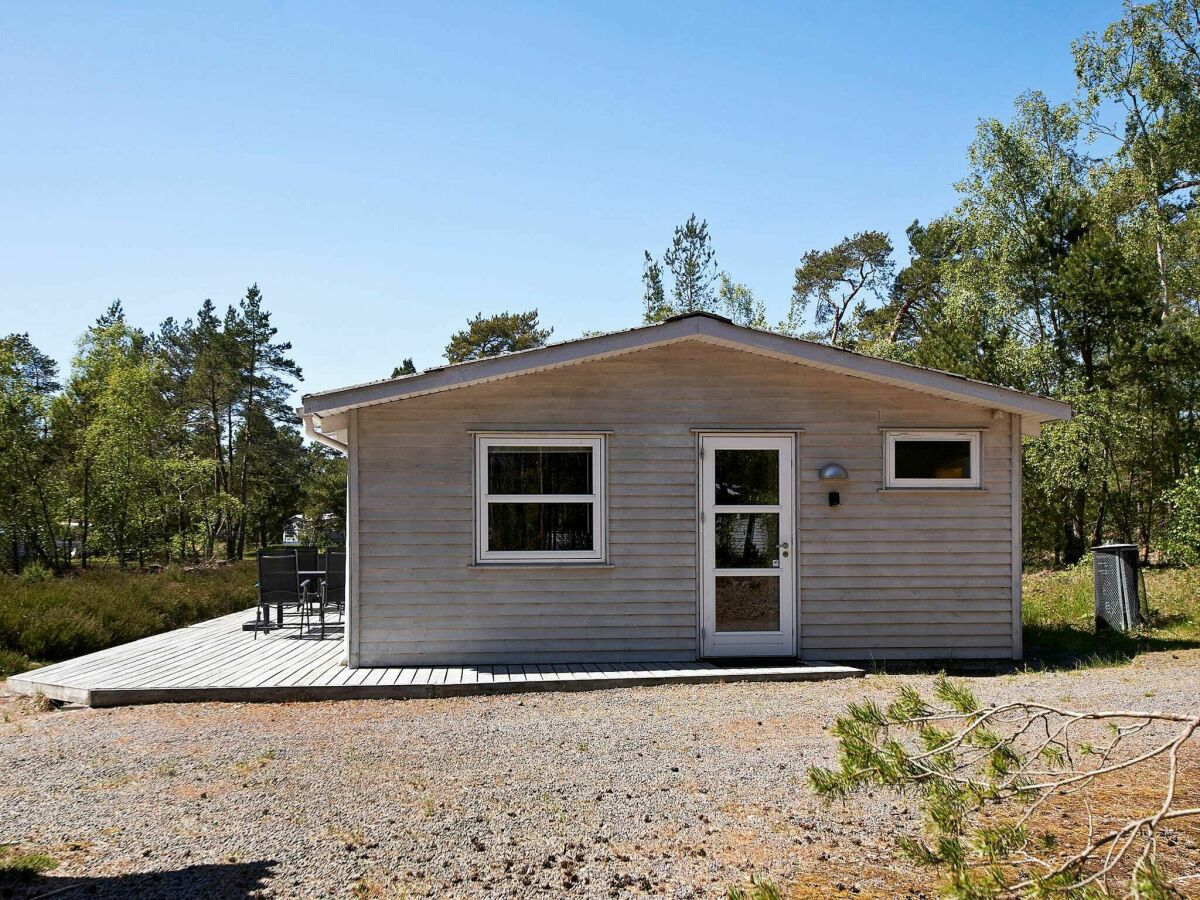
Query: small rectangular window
{"points": [[540, 498], [937, 459]]}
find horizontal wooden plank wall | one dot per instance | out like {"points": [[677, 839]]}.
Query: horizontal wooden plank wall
{"points": [[885, 574]]}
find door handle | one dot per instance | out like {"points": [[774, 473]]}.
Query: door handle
{"points": [[783, 549]]}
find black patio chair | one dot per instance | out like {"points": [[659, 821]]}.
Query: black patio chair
{"points": [[332, 598], [308, 558], [279, 585]]}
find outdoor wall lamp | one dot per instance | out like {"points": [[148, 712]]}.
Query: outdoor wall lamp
{"points": [[833, 472]]}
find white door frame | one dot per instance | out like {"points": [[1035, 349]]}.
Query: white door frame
{"points": [[748, 643]]}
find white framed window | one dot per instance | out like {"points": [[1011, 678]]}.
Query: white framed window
{"points": [[540, 497], [931, 459]]}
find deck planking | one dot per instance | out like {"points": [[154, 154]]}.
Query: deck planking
{"points": [[218, 661]]}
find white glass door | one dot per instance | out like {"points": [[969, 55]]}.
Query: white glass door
{"points": [[747, 510]]}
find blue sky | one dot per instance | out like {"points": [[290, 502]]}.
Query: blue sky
{"points": [[385, 171]]}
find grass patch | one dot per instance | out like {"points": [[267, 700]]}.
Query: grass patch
{"points": [[758, 889], [17, 865], [53, 619], [246, 766], [1059, 616]]}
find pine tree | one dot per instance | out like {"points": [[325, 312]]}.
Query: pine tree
{"points": [[502, 333]]}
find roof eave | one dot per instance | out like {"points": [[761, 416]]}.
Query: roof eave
{"points": [[494, 367], [1033, 409]]}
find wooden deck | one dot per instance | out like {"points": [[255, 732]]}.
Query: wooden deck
{"points": [[218, 661]]}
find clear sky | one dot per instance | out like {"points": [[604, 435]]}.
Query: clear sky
{"points": [[384, 171]]}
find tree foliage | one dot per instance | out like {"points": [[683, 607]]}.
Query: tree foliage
{"points": [[692, 263], [1068, 268], [177, 444], [697, 284], [1182, 541], [30, 497], [502, 333], [170, 445], [838, 283], [405, 368]]}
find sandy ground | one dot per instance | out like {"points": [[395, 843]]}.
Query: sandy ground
{"points": [[675, 791]]}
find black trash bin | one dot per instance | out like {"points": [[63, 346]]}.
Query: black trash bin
{"points": [[1115, 569]]}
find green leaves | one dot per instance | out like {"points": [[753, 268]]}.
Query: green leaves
{"points": [[405, 368], [908, 705], [1181, 543], [31, 496], [502, 333], [697, 284], [160, 446], [838, 283], [958, 696], [988, 779], [954, 760], [693, 266]]}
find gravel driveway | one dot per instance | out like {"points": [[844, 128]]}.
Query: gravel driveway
{"points": [[676, 791]]}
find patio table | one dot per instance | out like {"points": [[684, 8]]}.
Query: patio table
{"points": [[305, 575]]}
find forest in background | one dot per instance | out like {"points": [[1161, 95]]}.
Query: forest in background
{"points": [[1070, 267], [173, 445], [176, 445]]}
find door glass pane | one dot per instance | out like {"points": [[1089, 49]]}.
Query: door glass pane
{"points": [[747, 477], [539, 470], [933, 459], [747, 603], [540, 526], [747, 540]]}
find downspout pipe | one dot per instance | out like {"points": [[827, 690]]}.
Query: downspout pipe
{"points": [[311, 433]]}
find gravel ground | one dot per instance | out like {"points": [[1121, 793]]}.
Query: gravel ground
{"points": [[677, 791]]}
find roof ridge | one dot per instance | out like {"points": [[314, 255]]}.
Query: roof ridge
{"points": [[695, 325]]}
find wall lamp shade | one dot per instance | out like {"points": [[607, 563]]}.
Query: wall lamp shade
{"points": [[833, 472]]}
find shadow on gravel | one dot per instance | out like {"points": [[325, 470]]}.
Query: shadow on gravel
{"points": [[225, 880], [1067, 647], [1047, 649]]}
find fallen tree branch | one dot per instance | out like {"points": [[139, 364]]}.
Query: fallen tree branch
{"points": [[988, 777]]}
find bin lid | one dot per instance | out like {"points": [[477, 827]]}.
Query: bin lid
{"points": [[1116, 547]]}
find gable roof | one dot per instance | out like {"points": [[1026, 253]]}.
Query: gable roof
{"points": [[328, 407]]}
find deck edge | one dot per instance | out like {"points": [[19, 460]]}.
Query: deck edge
{"points": [[108, 697]]}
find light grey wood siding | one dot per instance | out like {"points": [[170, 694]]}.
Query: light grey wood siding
{"points": [[885, 574]]}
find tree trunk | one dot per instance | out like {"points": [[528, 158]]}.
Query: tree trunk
{"points": [[1098, 531], [87, 512], [121, 543], [1075, 528], [229, 527], [1160, 257], [898, 321], [247, 444]]}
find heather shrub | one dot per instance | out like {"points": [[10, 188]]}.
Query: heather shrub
{"points": [[58, 618]]}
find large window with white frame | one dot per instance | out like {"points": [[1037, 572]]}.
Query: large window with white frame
{"points": [[931, 459], [540, 498]]}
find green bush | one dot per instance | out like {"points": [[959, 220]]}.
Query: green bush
{"points": [[63, 617], [1181, 542], [35, 572], [12, 663]]}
